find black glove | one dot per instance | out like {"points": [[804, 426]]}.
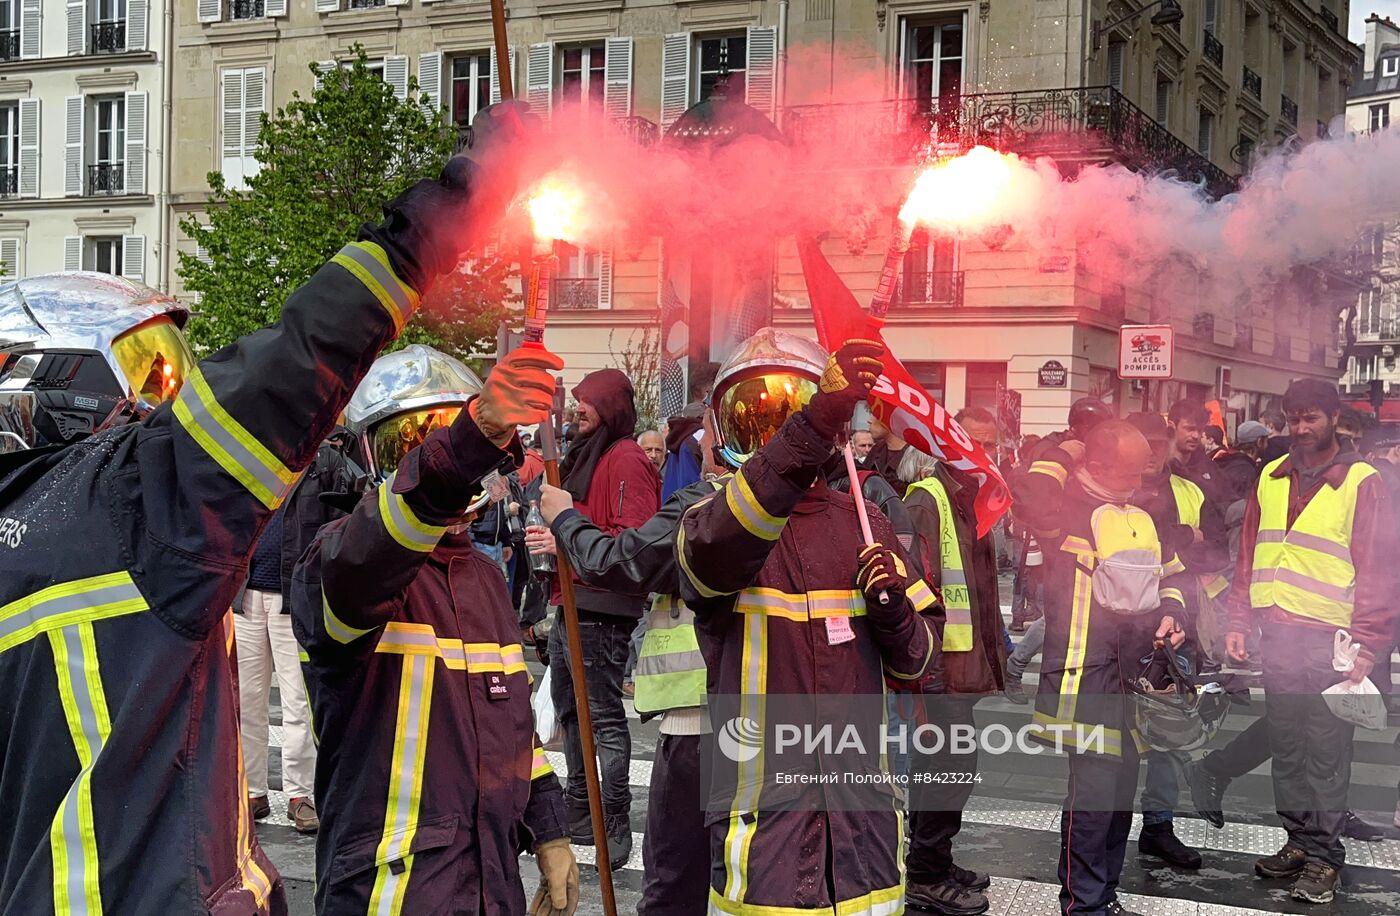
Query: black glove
{"points": [[430, 227], [881, 570], [850, 374]]}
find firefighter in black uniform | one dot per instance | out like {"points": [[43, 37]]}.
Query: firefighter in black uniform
{"points": [[430, 781], [121, 788]]}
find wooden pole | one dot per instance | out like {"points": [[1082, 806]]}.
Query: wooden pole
{"points": [[550, 451], [498, 31]]}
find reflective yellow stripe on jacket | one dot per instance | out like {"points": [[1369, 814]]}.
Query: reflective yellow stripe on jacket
{"points": [[65, 614], [886, 901], [402, 524], [1307, 570], [473, 657], [957, 600], [370, 265]]}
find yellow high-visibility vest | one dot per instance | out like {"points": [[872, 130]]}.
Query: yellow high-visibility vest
{"points": [[1307, 570], [1189, 500], [957, 601], [670, 669]]}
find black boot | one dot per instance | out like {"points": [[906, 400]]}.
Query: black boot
{"points": [[1207, 792], [580, 822], [1160, 840], [948, 897], [619, 840], [1357, 829]]}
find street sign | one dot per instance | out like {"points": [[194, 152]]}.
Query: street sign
{"points": [[1145, 351], [1053, 374]]}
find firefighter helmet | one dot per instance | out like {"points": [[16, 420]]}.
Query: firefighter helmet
{"points": [[1169, 711], [404, 397], [771, 375], [1086, 413], [80, 352]]}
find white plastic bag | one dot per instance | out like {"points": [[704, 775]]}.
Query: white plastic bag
{"points": [[546, 724], [1360, 704]]}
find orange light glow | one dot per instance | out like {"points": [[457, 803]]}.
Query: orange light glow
{"points": [[555, 212], [964, 193]]}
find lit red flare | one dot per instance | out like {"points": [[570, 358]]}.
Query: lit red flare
{"points": [[968, 193], [556, 212]]}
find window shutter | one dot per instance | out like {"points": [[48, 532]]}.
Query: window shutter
{"points": [[210, 10], [135, 166], [327, 6], [496, 76], [231, 98], [675, 77], [136, 25], [430, 81], [134, 257], [761, 80], [1163, 102], [275, 8], [9, 258], [617, 77], [28, 147], [322, 68], [539, 78], [77, 26], [605, 278], [73, 146], [31, 27], [254, 102], [73, 252], [396, 75], [1115, 65]]}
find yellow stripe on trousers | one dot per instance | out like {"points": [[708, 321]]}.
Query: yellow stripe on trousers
{"points": [[753, 676], [405, 786]]}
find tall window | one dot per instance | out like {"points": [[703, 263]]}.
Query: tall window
{"points": [[1164, 101], [723, 63], [577, 282], [110, 131], [111, 10], [581, 76], [1208, 15], [471, 86], [9, 29], [928, 275], [1205, 132], [9, 149], [933, 62], [103, 254], [1115, 65], [1380, 116]]}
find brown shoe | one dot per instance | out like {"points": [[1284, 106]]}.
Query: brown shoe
{"points": [[1285, 863], [1317, 884], [258, 808], [302, 811]]}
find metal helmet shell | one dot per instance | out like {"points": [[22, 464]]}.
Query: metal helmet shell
{"points": [[415, 378], [1086, 413], [80, 314], [769, 354]]}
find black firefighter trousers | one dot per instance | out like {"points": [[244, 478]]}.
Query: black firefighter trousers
{"points": [[676, 849], [940, 785], [1094, 827]]}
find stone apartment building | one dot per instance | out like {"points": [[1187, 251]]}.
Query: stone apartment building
{"points": [[83, 97], [1375, 99], [1196, 89]]}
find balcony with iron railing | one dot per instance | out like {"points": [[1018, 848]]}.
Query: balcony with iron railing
{"points": [[246, 9], [365, 4], [1074, 125], [1288, 109], [1203, 325], [9, 180], [1244, 335], [1212, 49], [1329, 18], [1253, 83], [9, 45], [106, 179], [930, 289], [574, 293], [108, 37], [1379, 331]]}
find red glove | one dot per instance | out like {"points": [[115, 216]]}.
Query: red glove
{"points": [[518, 392]]}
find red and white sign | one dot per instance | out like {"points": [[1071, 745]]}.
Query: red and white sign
{"points": [[1145, 351]]}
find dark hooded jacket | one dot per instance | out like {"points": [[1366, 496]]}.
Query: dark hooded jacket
{"points": [[613, 482]]}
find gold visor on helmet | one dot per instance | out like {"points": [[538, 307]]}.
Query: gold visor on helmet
{"points": [[395, 436], [155, 360], [750, 411]]}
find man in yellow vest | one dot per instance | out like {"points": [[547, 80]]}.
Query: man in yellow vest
{"points": [[1316, 556], [963, 566], [1192, 530]]}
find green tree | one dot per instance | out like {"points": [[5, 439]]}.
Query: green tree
{"points": [[327, 165]]}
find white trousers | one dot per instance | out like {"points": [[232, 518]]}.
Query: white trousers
{"points": [[265, 643]]}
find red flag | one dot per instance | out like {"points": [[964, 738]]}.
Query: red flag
{"points": [[899, 401]]}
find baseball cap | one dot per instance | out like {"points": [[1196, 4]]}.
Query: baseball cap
{"points": [[1250, 431]]}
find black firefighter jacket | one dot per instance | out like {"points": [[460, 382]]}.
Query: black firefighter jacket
{"points": [[121, 788], [429, 779], [770, 565]]}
